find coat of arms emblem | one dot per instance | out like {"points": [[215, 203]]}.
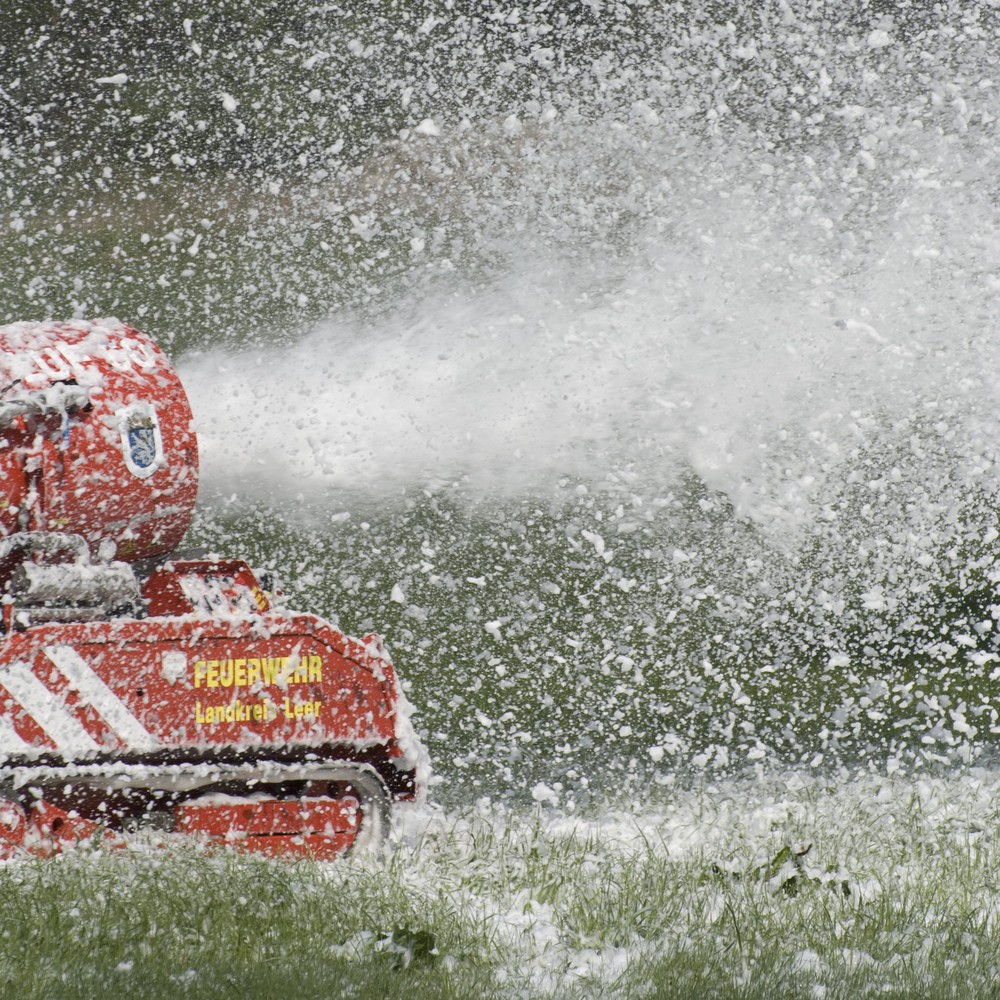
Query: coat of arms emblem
{"points": [[142, 445]]}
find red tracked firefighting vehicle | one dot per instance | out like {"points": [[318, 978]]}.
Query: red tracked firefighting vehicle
{"points": [[141, 690]]}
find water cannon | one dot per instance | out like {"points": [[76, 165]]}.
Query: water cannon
{"points": [[96, 438], [142, 691]]}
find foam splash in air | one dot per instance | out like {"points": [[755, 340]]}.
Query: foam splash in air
{"points": [[739, 343]]}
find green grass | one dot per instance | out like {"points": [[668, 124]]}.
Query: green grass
{"points": [[185, 924], [708, 891]]}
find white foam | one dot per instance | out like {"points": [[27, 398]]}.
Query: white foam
{"points": [[757, 374]]}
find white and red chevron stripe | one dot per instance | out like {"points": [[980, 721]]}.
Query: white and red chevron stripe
{"points": [[69, 708]]}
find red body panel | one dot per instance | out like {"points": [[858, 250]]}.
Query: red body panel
{"points": [[316, 826], [196, 683]]}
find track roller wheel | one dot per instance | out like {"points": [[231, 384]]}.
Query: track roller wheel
{"points": [[373, 805]]}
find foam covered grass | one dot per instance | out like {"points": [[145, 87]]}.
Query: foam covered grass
{"points": [[779, 884]]}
